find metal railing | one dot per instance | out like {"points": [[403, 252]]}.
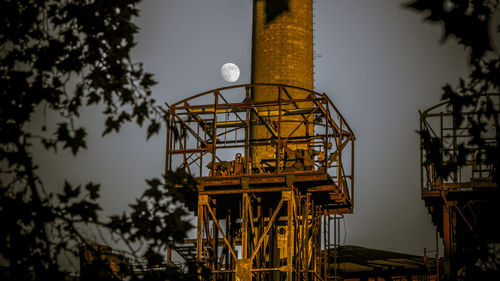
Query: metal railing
{"points": [[440, 124], [211, 134]]}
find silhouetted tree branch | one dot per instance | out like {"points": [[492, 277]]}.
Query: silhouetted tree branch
{"points": [[63, 56]]}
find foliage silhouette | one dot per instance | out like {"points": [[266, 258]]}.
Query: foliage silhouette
{"points": [[63, 56], [469, 23]]}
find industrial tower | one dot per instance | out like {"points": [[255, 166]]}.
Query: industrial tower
{"points": [[273, 160]]}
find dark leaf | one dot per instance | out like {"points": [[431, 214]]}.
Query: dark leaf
{"points": [[147, 80], [93, 190], [153, 129], [68, 192]]}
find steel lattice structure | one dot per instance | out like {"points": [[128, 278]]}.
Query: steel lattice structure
{"points": [[263, 220], [463, 204]]}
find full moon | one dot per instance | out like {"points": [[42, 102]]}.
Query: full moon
{"points": [[230, 72]]}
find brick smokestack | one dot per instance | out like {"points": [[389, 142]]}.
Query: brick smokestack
{"points": [[282, 53], [282, 50]]}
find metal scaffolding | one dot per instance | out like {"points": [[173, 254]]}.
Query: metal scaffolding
{"points": [[260, 218], [464, 203]]}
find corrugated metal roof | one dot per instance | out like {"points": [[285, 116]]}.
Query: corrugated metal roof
{"points": [[355, 261]]}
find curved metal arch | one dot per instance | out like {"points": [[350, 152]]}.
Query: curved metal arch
{"points": [[251, 86], [243, 86]]}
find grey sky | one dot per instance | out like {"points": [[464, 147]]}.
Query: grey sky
{"points": [[379, 64]]}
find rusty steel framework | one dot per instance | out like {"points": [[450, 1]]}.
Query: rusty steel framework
{"points": [[263, 220], [465, 202]]}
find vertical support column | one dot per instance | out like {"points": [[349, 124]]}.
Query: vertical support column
{"points": [[273, 245], [335, 246], [244, 265], [259, 259], [208, 240], [352, 176], [167, 144], [437, 256], [214, 132], [338, 140], [215, 240], [327, 144], [229, 260], [339, 154], [326, 239], [302, 239], [307, 239], [316, 236], [248, 168], [448, 239], [199, 234], [288, 197], [169, 256], [244, 226], [278, 144]]}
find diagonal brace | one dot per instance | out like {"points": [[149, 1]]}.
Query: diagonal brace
{"points": [[221, 232], [268, 227]]}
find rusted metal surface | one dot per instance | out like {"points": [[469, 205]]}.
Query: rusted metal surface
{"points": [[439, 122], [282, 239], [215, 141], [461, 204], [262, 220]]}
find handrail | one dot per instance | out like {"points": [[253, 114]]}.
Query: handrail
{"points": [[332, 134], [438, 120], [244, 86]]}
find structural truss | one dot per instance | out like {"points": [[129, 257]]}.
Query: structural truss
{"points": [[262, 218]]}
